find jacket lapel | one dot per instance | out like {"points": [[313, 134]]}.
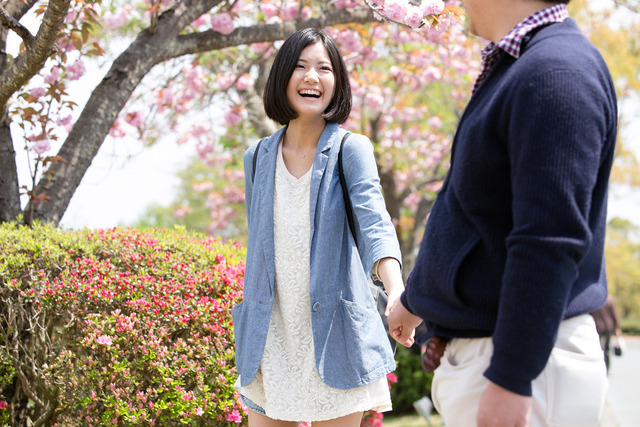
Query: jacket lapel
{"points": [[327, 139], [265, 176]]}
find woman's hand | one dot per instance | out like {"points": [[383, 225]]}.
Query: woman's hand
{"points": [[402, 323]]}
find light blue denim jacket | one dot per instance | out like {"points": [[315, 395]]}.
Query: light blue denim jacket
{"points": [[351, 346]]}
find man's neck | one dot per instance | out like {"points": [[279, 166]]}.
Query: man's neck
{"points": [[509, 13]]}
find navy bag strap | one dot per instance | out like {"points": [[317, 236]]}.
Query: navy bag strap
{"points": [[345, 193], [255, 159]]}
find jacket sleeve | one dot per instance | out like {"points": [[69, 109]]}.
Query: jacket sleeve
{"points": [[375, 232]]}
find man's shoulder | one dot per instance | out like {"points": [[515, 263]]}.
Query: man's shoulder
{"points": [[560, 41]]}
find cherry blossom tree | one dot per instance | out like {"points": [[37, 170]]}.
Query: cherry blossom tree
{"points": [[409, 89], [170, 47]]}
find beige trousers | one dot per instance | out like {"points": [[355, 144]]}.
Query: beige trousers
{"points": [[570, 391]]}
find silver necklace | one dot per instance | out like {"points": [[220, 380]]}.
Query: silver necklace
{"points": [[297, 152]]}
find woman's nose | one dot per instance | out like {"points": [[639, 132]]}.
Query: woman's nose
{"points": [[311, 76]]}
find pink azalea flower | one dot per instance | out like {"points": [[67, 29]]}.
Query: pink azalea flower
{"points": [[234, 417], [3, 405], [413, 18], [104, 340], [222, 23], [199, 411], [244, 82]]}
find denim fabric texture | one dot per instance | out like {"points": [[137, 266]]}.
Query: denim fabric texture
{"points": [[351, 346]]}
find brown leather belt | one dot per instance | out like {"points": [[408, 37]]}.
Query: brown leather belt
{"points": [[435, 349]]}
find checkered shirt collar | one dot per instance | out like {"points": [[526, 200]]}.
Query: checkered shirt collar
{"points": [[512, 42]]}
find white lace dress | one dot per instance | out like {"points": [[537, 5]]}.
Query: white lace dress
{"points": [[287, 385]]}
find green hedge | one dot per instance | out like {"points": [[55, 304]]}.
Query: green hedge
{"points": [[413, 383], [117, 327]]}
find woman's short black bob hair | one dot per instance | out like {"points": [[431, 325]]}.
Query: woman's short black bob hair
{"points": [[275, 91]]}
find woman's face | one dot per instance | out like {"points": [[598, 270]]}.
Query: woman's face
{"points": [[312, 84]]}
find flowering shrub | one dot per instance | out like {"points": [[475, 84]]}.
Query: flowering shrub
{"points": [[117, 327], [413, 382]]}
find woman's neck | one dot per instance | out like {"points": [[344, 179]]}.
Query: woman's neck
{"points": [[303, 134]]}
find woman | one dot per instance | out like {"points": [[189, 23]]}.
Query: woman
{"points": [[310, 345]]}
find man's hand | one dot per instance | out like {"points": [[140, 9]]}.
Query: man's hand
{"points": [[402, 324], [500, 407]]}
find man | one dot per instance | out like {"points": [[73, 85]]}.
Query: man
{"points": [[511, 262]]}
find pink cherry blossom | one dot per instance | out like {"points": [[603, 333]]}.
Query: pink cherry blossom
{"points": [[269, 10], [225, 80], [135, 119], [222, 23], [396, 9], [204, 150], [432, 7], [233, 117], [434, 122], [290, 11], [200, 21], [76, 70], [53, 76], [64, 121], [342, 4], [244, 82], [413, 17], [37, 92], [41, 146]]}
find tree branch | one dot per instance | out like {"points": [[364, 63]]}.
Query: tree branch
{"points": [[13, 24], [213, 40], [17, 8], [38, 50]]}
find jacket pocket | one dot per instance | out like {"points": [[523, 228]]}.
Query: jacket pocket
{"points": [[250, 328], [365, 337]]}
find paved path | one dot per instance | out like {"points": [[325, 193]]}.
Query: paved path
{"points": [[623, 399]]}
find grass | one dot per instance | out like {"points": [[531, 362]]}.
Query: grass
{"points": [[410, 420]]}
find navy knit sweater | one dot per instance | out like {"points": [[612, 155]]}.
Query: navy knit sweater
{"points": [[514, 243]]}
